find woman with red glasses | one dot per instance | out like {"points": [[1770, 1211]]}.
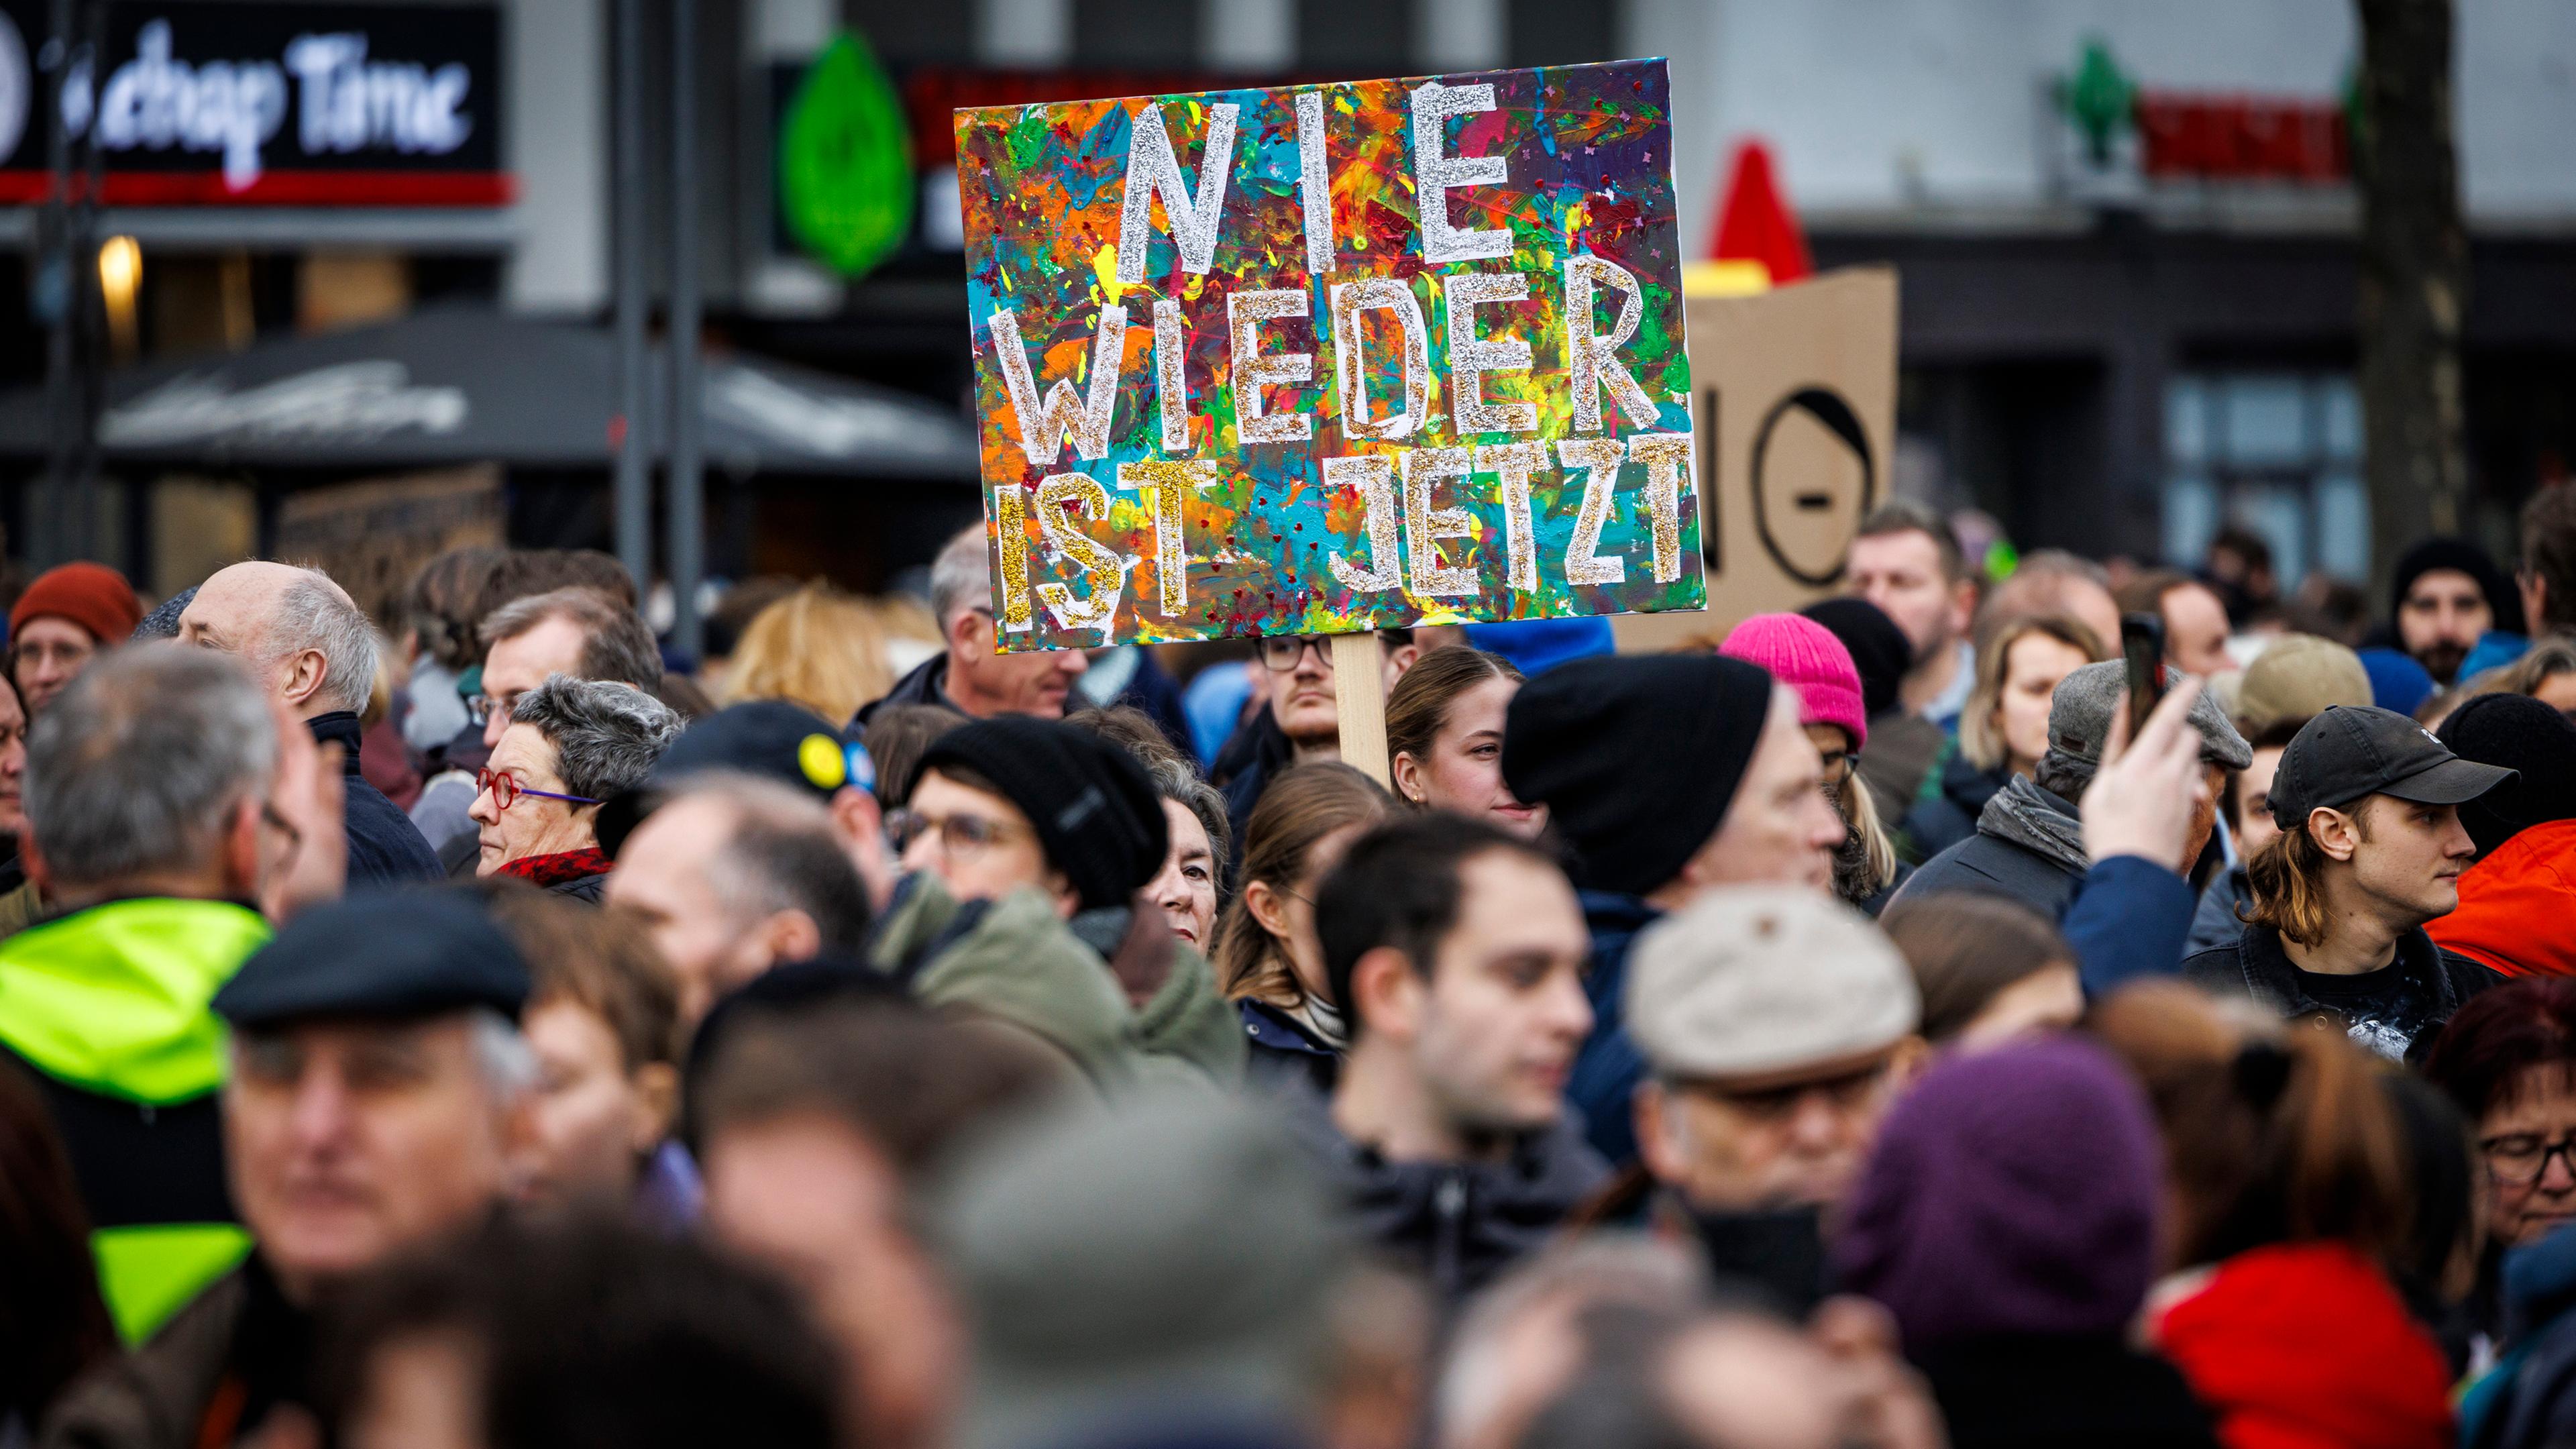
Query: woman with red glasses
{"points": [[571, 744]]}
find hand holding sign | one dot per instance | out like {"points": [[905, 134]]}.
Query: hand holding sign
{"points": [[1329, 359]]}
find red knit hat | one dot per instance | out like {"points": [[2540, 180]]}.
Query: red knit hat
{"points": [[1805, 656], [91, 595]]}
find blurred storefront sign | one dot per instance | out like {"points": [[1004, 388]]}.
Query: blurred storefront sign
{"points": [[2242, 138], [845, 187], [2114, 135], [268, 103]]}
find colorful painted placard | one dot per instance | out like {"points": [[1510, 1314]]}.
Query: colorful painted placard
{"points": [[1321, 359]]}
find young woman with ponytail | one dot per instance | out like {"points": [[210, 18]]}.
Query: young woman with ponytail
{"points": [[2292, 1202]]}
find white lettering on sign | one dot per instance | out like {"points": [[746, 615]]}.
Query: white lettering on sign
{"points": [[353, 401], [156, 101], [352, 103], [153, 102]]}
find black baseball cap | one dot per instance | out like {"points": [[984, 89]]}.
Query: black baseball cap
{"points": [[2355, 750], [769, 738]]}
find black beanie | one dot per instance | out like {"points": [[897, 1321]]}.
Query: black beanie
{"points": [[1095, 811], [1879, 649], [2458, 553], [2519, 733], [1635, 757]]}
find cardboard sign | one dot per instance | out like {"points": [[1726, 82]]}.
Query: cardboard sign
{"points": [[1797, 438], [1324, 359]]}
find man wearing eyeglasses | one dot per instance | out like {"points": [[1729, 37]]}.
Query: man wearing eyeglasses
{"points": [[1027, 842], [1777, 1027], [968, 675], [68, 617], [1300, 720], [169, 802]]}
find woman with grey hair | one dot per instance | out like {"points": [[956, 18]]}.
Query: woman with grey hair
{"points": [[570, 744]]}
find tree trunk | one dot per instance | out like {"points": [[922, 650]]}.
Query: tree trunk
{"points": [[2414, 278]]}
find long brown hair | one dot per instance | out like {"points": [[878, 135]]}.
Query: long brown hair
{"points": [[1301, 807], [2272, 1133], [2288, 880], [1418, 706]]}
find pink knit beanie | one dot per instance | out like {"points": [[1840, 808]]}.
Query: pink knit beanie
{"points": [[1805, 656]]}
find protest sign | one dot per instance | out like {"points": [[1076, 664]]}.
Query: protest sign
{"points": [[1325, 359], [1797, 435]]}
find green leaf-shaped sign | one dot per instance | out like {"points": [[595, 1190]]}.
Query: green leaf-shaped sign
{"points": [[845, 160]]}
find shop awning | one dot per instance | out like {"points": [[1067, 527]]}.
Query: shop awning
{"points": [[456, 385]]}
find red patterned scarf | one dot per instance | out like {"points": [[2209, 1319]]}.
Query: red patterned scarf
{"points": [[554, 870]]}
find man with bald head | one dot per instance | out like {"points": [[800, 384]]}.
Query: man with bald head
{"points": [[312, 648]]}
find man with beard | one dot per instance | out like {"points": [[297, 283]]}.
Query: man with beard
{"points": [[2448, 594]]}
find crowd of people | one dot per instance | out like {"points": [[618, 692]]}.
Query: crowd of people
{"points": [[475, 1027]]}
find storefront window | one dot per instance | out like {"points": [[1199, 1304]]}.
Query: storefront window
{"points": [[2275, 452]]}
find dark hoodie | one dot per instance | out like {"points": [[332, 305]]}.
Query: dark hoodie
{"points": [[1460, 1224]]}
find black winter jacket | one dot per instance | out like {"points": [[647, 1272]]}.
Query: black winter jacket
{"points": [[385, 848], [1458, 1224], [2256, 966], [1996, 866]]}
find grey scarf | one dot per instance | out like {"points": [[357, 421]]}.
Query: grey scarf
{"points": [[2034, 819]]}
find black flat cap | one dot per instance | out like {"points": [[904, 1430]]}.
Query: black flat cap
{"points": [[381, 955]]}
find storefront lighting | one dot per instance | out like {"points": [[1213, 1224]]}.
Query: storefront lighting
{"points": [[120, 275]]}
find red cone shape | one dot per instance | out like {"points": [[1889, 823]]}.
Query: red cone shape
{"points": [[1756, 224]]}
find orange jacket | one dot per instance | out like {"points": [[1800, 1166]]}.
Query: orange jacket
{"points": [[2517, 905]]}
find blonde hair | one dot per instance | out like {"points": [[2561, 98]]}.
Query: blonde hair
{"points": [[1860, 813], [819, 648], [1980, 739]]}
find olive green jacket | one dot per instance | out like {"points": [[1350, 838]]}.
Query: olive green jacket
{"points": [[1016, 962]]}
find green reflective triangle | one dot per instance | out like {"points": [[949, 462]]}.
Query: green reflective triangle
{"points": [[845, 180], [148, 1273]]}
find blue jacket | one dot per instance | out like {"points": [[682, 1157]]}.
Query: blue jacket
{"points": [[1607, 1070], [1284, 1055], [2528, 1400], [385, 848], [2129, 920]]}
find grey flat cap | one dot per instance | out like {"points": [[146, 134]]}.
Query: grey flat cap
{"points": [[2079, 718], [1765, 981]]}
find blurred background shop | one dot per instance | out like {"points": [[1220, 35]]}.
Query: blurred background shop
{"points": [[2127, 237]]}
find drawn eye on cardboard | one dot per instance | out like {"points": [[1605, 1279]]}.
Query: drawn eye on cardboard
{"points": [[1813, 479]]}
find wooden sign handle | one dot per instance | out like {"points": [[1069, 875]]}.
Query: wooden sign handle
{"points": [[1359, 698]]}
